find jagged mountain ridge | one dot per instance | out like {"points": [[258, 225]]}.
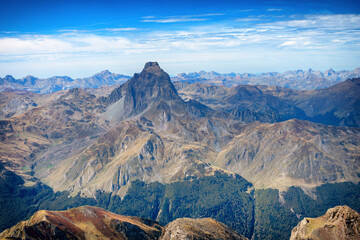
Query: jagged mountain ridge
{"points": [[145, 131], [164, 140], [159, 143], [337, 105], [57, 83], [71, 143], [151, 86], [296, 79]]}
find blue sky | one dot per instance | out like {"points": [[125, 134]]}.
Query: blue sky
{"points": [[80, 38]]}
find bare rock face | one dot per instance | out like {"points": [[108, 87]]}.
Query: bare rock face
{"points": [[149, 88], [199, 229], [83, 223], [339, 223]]}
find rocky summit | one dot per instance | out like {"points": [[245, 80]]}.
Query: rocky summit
{"points": [[339, 223], [83, 223], [152, 86], [201, 229], [88, 222]]}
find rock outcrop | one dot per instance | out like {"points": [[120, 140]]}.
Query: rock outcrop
{"points": [[199, 229], [339, 223]]}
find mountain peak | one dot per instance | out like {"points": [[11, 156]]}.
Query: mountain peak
{"points": [[84, 222], [149, 87], [105, 72], [9, 78], [151, 65], [153, 69]]}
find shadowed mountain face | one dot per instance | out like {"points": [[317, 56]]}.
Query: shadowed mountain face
{"points": [[337, 105], [149, 88]]}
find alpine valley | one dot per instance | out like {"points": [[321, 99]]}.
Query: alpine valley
{"points": [[258, 158]]}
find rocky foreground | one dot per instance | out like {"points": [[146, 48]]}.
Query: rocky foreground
{"points": [[204, 228], [88, 222], [339, 223]]}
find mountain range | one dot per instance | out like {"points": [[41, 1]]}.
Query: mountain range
{"points": [[164, 151], [57, 83], [294, 79]]}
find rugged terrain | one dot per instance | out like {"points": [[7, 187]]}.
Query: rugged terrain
{"points": [[163, 151], [88, 222], [157, 136], [295, 79], [206, 228], [84, 222], [336, 105], [339, 223]]}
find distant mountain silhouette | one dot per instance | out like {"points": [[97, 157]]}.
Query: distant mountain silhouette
{"points": [[297, 79], [57, 83]]}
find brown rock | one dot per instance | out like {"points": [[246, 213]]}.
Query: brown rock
{"points": [[84, 222], [199, 229], [339, 223]]}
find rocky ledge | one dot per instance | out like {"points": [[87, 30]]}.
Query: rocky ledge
{"points": [[339, 223]]}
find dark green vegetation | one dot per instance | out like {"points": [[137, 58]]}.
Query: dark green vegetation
{"points": [[257, 213], [221, 197], [19, 203], [275, 219]]}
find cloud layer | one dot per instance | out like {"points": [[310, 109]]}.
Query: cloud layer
{"points": [[318, 41]]}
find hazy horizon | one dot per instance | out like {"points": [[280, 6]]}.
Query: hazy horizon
{"points": [[173, 75]]}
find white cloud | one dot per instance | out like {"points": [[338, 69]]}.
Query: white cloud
{"points": [[294, 41], [332, 21], [174, 20], [274, 9], [121, 29], [181, 18]]}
